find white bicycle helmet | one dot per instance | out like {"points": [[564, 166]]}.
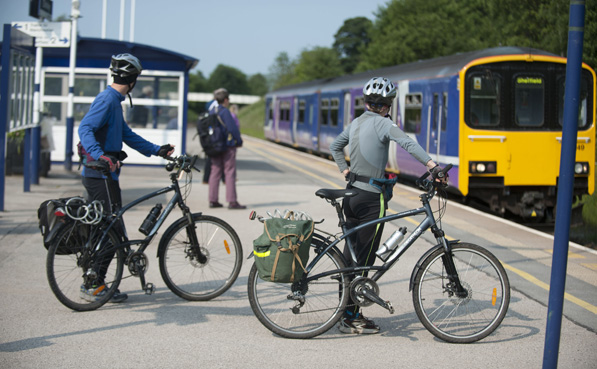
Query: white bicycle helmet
{"points": [[125, 65], [379, 90]]}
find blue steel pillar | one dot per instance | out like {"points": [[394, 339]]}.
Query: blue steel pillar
{"points": [[565, 184]]}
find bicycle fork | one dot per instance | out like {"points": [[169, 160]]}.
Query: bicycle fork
{"points": [[194, 251], [454, 286]]}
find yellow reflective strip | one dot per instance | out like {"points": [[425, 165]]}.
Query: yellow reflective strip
{"points": [[261, 254]]}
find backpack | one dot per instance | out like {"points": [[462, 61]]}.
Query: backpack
{"points": [[213, 134], [282, 251]]}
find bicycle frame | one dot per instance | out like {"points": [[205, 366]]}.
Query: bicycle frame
{"points": [[144, 243], [428, 223]]}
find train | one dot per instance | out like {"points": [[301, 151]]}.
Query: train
{"points": [[495, 114]]}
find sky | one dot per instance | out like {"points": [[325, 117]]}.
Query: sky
{"points": [[245, 34]]}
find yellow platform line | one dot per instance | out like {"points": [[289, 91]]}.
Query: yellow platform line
{"points": [[583, 304], [571, 255], [575, 300]]}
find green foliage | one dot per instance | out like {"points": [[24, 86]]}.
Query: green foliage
{"points": [[350, 40], [281, 72], [409, 30], [317, 63], [230, 78], [251, 119], [258, 84], [589, 210]]}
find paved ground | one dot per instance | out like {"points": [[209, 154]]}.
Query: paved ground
{"points": [[164, 331]]}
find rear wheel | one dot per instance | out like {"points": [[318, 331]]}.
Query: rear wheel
{"points": [[78, 280], [473, 315], [302, 309], [183, 269]]}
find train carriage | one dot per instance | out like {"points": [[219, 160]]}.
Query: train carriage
{"points": [[495, 114]]}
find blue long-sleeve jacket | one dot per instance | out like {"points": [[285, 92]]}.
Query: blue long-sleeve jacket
{"points": [[103, 130], [230, 123]]}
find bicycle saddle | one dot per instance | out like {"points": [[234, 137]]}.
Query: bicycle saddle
{"points": [[330, 194]]}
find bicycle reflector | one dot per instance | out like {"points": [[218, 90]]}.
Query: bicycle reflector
{"points": [[227, 247]]}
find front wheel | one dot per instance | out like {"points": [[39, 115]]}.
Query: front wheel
{"points": [[302, 309], [200, 276], [80, 278], [461, 317]]}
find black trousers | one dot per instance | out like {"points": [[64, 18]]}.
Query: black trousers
{"points": [[97, 189], [363, 207]]}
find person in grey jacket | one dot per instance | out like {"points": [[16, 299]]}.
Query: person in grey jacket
{"points": [[368, 138]]}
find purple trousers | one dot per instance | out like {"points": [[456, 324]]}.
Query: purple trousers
{"points": [[225, 163]]}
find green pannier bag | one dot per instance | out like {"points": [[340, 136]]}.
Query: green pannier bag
{"points": [[282, 251]]}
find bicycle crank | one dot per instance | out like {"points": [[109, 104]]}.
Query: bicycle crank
{"points": [[364, 292]]}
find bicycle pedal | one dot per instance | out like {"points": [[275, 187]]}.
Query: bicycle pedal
{"points": [[149, 289], [389, 307]]}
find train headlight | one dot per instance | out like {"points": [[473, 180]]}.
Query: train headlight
{"points": [[581, 168], [482, 167]]}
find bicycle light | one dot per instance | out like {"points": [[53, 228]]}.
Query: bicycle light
{"points": [[59, 212], [482, 167], [581, 168]]}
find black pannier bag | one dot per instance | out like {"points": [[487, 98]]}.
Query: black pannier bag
{"points": [[50, 224]]}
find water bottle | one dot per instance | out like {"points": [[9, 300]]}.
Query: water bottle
{"points": [[149, 222], [391, 243]]}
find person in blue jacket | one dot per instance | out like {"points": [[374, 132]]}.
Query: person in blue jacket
{"points": [[103, 131]]}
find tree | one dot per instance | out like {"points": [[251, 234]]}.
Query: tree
{"points": [[230, 78], [197, 83], [350, 40], [281, 72], [317, 63], [258, 84]]}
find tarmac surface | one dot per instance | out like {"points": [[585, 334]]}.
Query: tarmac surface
{"points": [[165, 331]]}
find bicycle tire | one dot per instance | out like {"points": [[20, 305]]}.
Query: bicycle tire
{"points": [[462, 320], [66, 266], [324, 301], [184, 274]]}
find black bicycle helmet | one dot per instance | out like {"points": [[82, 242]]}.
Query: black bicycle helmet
{"points": [[379, 90], [125, 68], [125, 65]]}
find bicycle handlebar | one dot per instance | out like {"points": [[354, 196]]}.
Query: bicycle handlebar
{"points": [[428, 185], [183, 162]]}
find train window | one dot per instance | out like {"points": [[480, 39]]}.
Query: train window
{"points": [[484, 108], [334, 104], [270, 111], [444, 112], [529, 92], [325, 107], [285, 111], [301, 111], [359, 106], [583, 106], [413, 106]]}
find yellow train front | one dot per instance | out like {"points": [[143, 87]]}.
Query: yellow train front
{"points": [[511, 117]]}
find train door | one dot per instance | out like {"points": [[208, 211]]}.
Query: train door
{"points": [[331, 119], [276, 106], [295, 120], [432, 124], [269, 130], [347, 110]]}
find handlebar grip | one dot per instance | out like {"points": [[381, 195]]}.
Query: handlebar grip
{"points": [[99, 165]]}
